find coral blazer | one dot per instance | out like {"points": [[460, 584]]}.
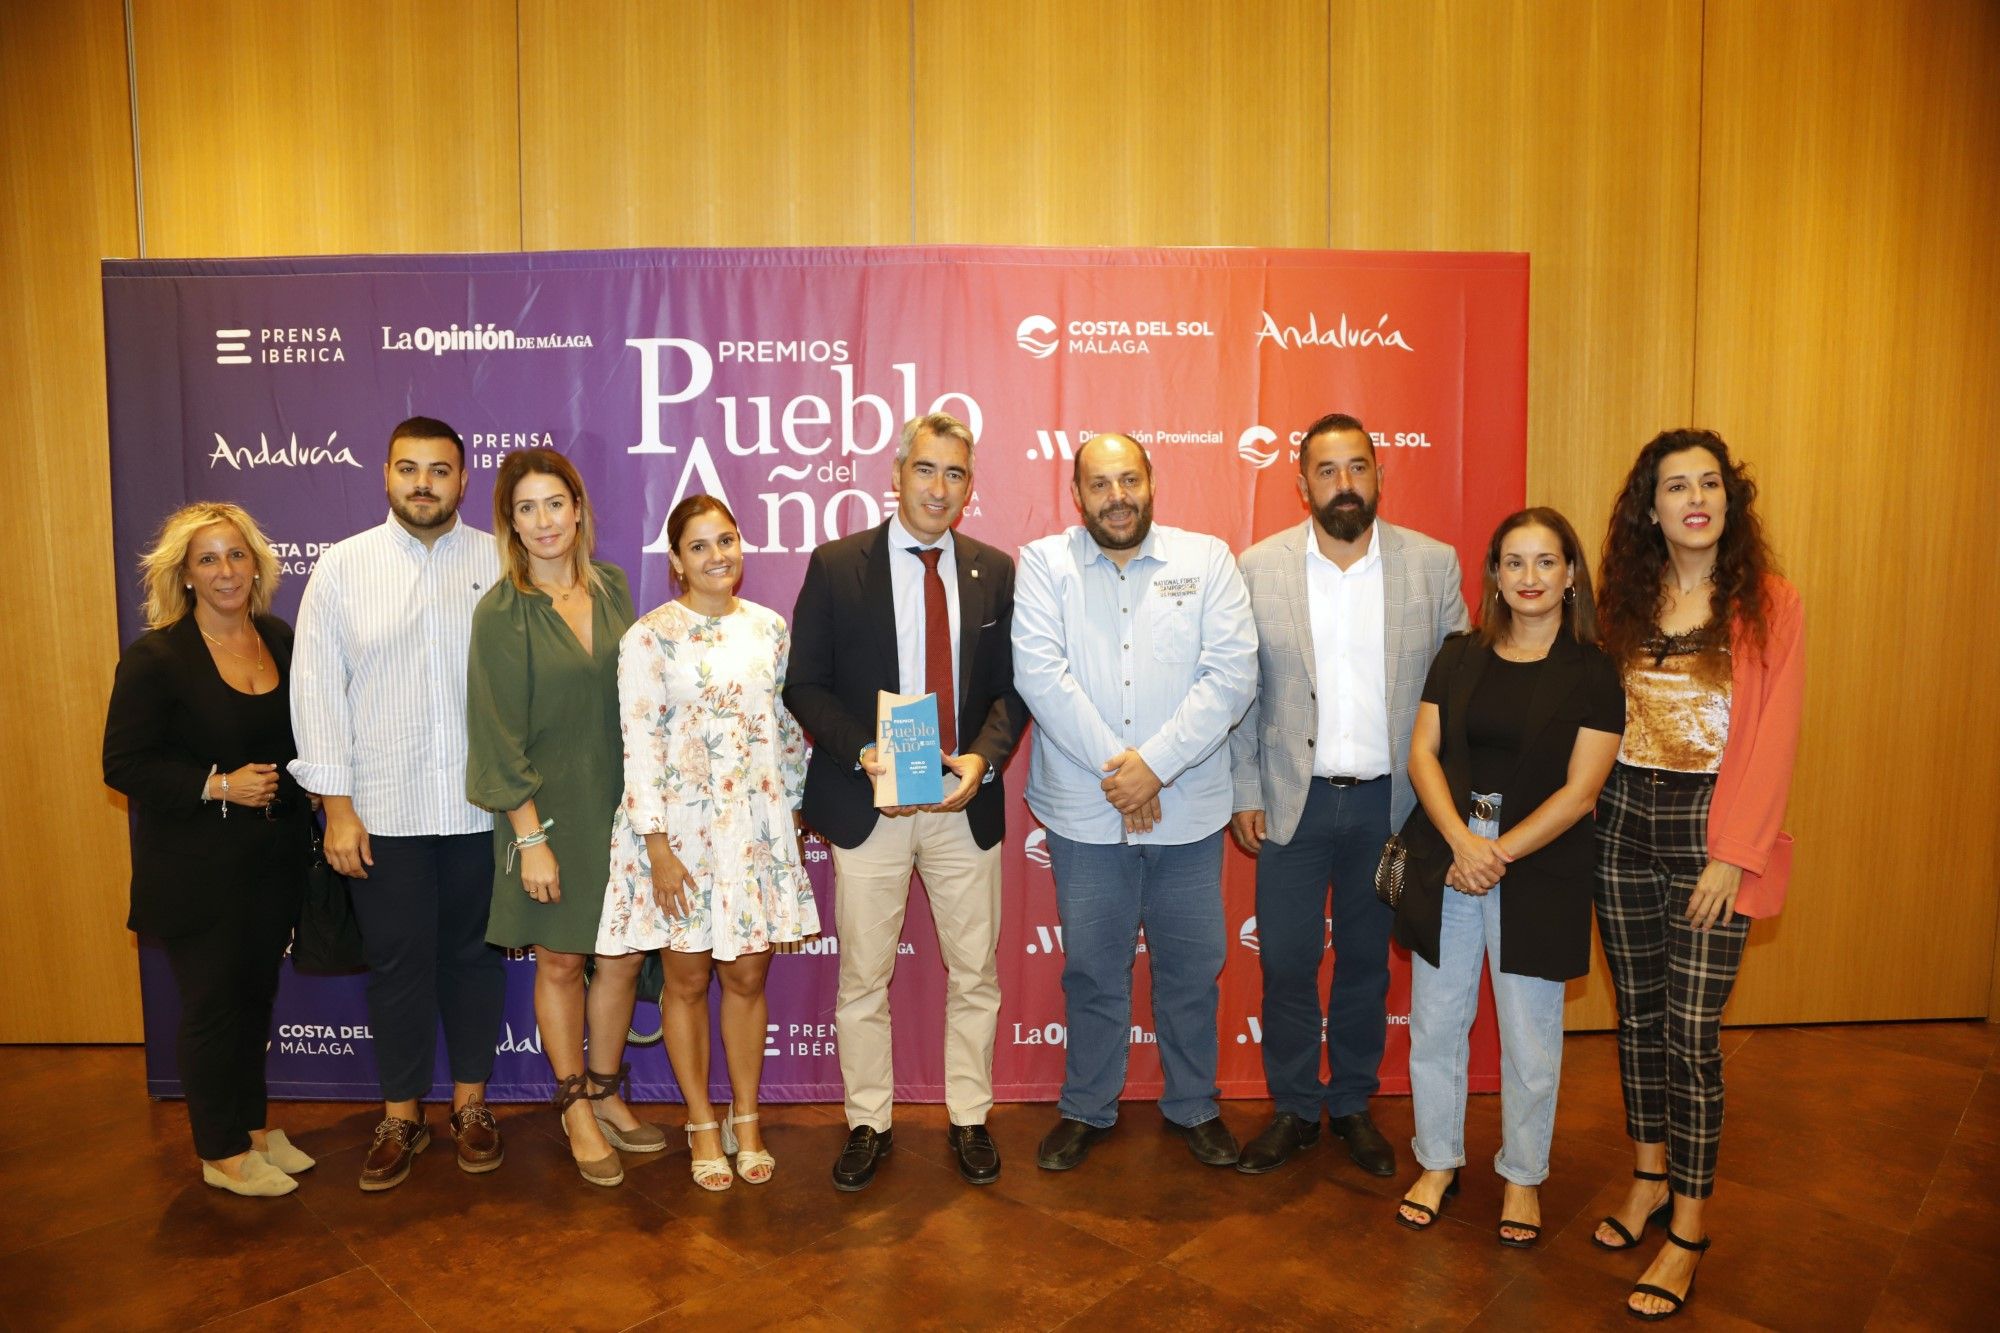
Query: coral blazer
{"points": [[1767, 694]]}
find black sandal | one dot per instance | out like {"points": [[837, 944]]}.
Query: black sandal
{"points": [[1660, 1216], [1430, 1213], [1675, 1302]]}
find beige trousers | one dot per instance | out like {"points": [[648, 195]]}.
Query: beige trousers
{"points": [[871, 890]]}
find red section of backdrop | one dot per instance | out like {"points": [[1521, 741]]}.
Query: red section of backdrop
{"points": [[1429, 350]]}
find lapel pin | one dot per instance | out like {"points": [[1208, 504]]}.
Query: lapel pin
{"points": [[975, 573]]}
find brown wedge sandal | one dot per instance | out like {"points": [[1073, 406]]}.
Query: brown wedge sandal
{"points": [[643, 1138], [606, 1170]]}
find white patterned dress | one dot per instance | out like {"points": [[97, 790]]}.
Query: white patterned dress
{"points": [[712, 760]]}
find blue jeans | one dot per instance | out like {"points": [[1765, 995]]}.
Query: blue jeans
{"points": [[1335, 847], [1443, 1002], [1105, 892]]}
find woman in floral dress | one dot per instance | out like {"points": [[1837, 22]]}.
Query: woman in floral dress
{"points": [[706, 864]]}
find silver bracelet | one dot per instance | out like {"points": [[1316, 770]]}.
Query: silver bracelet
{"points": [[534, 838]]}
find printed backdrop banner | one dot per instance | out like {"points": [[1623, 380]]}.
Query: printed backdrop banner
{"points": [[777, 379]]}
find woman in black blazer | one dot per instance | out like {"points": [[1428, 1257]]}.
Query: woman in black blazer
{"points": [[1516, 733], [198, 736]]}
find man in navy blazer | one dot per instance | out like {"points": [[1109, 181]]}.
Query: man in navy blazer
{"points": [[911, 607]]}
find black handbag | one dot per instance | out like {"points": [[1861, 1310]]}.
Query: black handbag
{"points": [[328, 938]]}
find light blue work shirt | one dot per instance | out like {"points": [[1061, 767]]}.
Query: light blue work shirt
{"points": [[1160, 656]]}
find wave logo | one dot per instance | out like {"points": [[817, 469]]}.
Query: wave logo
{"points": [[1247, 937], [1036, 336], [1251, 447], [1036, 848]]}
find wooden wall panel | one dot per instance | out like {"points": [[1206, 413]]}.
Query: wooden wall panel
{"points": [[1847, 347], [1125, 122], [328, 127], [65, 200], [1568, 129], [1769, 216], [715, 123]]}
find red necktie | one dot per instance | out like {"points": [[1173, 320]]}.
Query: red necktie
{"points": [[937, 650]]}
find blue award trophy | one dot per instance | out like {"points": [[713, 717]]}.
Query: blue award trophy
{"points": [[906, 741]]}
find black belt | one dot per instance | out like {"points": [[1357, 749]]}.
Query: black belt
{"points": [[1666, 777], [1342, 780]]}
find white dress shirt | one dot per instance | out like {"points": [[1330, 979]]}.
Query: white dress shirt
{"points": [[906, 581], [1350, 663], [378, 677]]}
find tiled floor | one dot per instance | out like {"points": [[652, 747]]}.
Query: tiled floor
{"points": [[1860, 1189]]}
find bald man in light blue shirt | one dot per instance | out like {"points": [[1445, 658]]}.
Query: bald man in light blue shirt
{"points": [[1135, 650]]}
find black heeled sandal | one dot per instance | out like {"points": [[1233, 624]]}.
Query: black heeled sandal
{"points": [[1700, 1247], [1658, 1217], [1430, 1214], [1527, 1242]]}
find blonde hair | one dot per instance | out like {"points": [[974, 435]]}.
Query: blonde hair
{"points": [[168, 598], [517, 466]]}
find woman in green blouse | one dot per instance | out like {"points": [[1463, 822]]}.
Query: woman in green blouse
{"points": [[545, 753]]}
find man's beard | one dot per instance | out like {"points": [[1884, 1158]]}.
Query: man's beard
{"points": [[416, 518], [1344, 522], [1092, 523]]}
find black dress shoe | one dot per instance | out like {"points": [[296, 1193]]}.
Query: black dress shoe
{"points": [[1365, 1144], [1211, 1142], [1286, 1135], [1068, 1144], [855, 1167], [978, 1155]]}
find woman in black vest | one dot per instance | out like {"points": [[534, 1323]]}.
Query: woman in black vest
{"points": [[1516, 733], [198, 736]]}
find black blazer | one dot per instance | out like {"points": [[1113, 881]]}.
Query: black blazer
{"points": [[1545, 911], [171, 716], [844, 651]]}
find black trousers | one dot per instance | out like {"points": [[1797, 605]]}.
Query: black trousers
{"points": [[227, 974], [422, 912], [1673, 981]]}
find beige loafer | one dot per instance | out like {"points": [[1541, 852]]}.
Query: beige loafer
{"points": [[282, 1153], [260, 1180]]}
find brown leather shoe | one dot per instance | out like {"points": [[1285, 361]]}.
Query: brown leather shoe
{"points": [[477, 1134], [397, 1143]]}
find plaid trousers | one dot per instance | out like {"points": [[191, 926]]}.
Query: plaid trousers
{"points": [[1672, 980]]}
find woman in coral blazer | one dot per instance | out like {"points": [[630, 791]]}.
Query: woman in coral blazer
{"points": [[1709, 641]]}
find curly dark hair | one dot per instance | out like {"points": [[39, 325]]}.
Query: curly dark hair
{"points": [[1631, 587]]}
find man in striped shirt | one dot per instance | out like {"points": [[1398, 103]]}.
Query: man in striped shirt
{"points": [[378, 709]]}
